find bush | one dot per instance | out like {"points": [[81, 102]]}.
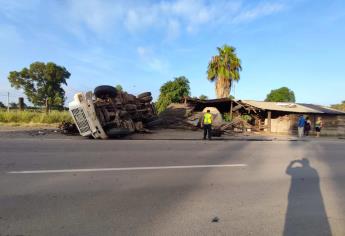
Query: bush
{"points": [[37, 117], [227, 117]]}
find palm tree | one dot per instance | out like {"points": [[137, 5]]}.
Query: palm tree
{"points": [[223, 69]]}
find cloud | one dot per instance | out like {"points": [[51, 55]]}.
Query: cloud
{"points": [[173, 29], [98, 16], [151, 61], [170, 19], [258, 11], [170, 16], [188, 16]]}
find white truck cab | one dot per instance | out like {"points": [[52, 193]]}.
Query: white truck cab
{"points": [[84, 115]]}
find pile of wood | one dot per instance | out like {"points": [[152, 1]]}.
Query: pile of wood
{"points": [[181, 116], [236, 125]]}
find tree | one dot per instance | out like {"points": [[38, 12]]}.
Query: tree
{"points": [[223, 69], [2, 105], [282, 94], [172, 91], [42, 83], [340, 106], [119, 87], [203, 97], [13, 105]]}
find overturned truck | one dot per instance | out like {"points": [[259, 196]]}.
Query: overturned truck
{"points": [[108, 112]]}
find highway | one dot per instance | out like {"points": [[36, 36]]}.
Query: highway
{"points": [[171, 187]]}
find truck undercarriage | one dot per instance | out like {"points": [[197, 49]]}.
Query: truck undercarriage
{"points": [[110, 113]]}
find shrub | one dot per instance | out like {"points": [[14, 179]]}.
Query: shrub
{"points": [[34, 117]]}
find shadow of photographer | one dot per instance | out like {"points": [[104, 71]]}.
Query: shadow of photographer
{"points": [[306, 214]]}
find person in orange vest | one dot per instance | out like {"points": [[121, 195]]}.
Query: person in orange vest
{"points": [[207, 124]]}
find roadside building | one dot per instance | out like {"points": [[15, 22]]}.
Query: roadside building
{"points": [[275, 117], [280, 117]]}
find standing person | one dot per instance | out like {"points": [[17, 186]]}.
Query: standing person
{"points": [[318, 126], [307, 126], [301, 124], [207, 123]]}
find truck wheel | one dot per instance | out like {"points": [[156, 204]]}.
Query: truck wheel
{"points": [[146, 99], [130, 98], [115, 132], [105, 91], [153, 123], [146, 94], [130, 107]]}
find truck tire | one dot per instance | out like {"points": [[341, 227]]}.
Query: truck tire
{"points": [[153, 123], [130, 107], [146, 94], [146, 99], [115, 132], [105, 91], [130, 98]]}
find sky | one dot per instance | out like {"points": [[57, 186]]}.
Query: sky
{"points": [[142, 44]]}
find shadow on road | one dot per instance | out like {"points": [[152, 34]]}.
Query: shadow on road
{"points": [[306, 213]]}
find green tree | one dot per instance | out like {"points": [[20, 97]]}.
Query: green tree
{"points": [[340, 106], [223, 69], [282, 94], [203, 97], [119, 87], [172, 91], [42, 83]]}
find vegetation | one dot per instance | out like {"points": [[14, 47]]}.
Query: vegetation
{"points": [[42, 83], [227, 117], [34, 117], [282, 94], [119, 87], [203, 97], [340, 106], [223, 69], [172, 91]]}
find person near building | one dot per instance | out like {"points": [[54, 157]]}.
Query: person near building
{"points": [[300, 125], [307, 126], [207, 124], [318, 126]]}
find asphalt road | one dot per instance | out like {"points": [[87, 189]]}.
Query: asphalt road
{"points": [[90, 187]]}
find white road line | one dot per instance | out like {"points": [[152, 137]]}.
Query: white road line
{"points": [[122, 169]]}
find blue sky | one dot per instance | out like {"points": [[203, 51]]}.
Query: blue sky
{"points": [[142, 44]]}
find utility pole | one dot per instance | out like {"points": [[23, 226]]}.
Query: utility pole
{"points": [[8, 101]]}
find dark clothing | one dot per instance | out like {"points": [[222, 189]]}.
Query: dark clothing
{"points": [[307, 128], [207, 131], [318, 129]]}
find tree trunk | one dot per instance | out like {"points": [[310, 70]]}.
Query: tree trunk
{"points": [[47, 106], [223, 86]]}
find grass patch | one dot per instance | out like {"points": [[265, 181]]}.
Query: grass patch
{"points": [[14, 118]]}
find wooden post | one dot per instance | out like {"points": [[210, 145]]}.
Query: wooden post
{"points": [[8, 101], [47, 108], [269, 116], [231, 107]]}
